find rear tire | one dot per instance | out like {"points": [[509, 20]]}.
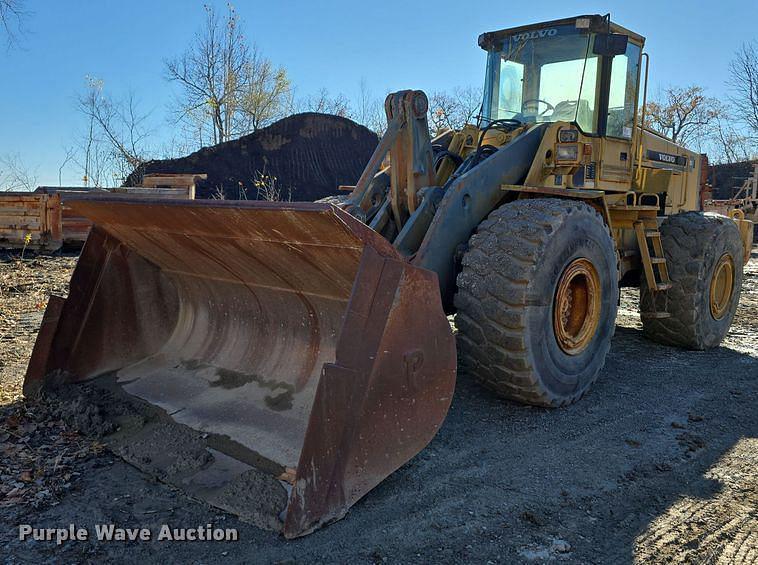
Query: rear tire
{"points": [[700, 250], [526, 259]]}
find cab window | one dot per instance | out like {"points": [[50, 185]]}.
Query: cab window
{"points": [[574, 76], [622, 94]]}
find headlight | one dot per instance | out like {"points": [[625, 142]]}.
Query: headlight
{"points": [[568, 136], [567, 152]]}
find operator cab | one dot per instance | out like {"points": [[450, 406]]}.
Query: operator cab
{"points": [[583, 70]]}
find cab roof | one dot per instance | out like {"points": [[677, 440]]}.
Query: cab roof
{"points": [[596, 23]]}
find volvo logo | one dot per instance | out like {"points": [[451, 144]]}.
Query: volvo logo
{"points": [[536, 34], [661, 157]]}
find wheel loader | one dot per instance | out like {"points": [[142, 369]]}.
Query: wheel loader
{"points": [[293, 355]]}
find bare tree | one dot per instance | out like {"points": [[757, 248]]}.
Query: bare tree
{"points": [[684, 114], [227, 89], [116, 137], [13, 16], [324, 103], [15, 174], [453, 110], [743, 81], [370, 110], [365, 104], [442, 111], [209, 73], [88, 148], [176, 146], [120, 123], [96, 162], [101, 170], [69, 155], [265, 96], [365, 110], [728, 145]]}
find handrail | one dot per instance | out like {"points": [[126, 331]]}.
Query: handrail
{"points": [[642, 121]]}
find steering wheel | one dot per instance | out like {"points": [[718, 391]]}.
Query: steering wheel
{"points": [[536, 102]]}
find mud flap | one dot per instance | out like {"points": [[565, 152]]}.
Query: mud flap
{"points": [[292, 334]]}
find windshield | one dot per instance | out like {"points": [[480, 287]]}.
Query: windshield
{"points": [[544, 75]]}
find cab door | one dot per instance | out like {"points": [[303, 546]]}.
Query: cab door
{"points": [[617, 151]]}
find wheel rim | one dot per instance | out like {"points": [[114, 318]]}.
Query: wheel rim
{"points": [[722, 284], [576, 310]]}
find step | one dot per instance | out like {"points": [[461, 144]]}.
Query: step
{"points": [[657, 260], [662, 286], [652, 233]]}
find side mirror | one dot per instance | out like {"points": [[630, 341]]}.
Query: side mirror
{"points": [[610, 44]]}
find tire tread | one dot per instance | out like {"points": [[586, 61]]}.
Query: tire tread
{"points": [[492, 297]]}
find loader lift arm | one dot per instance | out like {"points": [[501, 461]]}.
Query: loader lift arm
{"points": [[428, 223], [407, 142]]}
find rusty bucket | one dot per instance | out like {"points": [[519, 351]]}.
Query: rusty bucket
{"points": [[291, 333]]}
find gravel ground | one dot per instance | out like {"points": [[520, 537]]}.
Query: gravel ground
{"points": [[659, 462], [25, 286]]}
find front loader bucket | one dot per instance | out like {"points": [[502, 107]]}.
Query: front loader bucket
{"points": [[289, 339]]}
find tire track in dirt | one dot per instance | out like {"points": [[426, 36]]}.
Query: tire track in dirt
{"points": [[722, 529]]}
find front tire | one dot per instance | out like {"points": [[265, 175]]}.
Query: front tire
{"points": [[537, 300], [704, 256]]}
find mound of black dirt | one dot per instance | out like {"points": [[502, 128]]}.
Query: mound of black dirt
{"points": [[309, 155], [727, 178]]}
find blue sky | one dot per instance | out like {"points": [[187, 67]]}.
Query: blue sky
{"points": [[330, 43]]}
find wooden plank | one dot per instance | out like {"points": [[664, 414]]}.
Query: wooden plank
{"points": [[29, 207], [54, 218], [20, 206], [29, 225], [13, 220], [10, 216], [18, 236], [16, 198], [181, 191]]}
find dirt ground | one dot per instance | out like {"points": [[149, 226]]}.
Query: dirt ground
{"points": [[659, 462]]}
